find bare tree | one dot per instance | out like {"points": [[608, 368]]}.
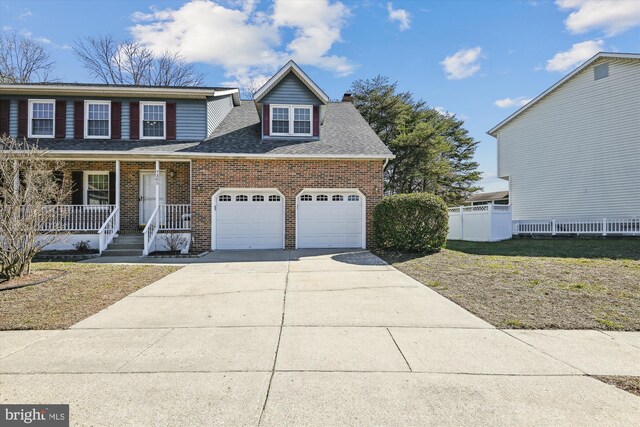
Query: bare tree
{"points": [[29, 185], [126, 62], [250, 87], [23, 60]]}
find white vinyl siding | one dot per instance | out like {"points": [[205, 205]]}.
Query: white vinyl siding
{"points": [[576, 152]]}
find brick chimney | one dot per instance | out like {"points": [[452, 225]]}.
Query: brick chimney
{"points": [[347, 97]]}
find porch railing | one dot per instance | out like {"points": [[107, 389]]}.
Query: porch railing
{"points": [[151, 230], [109, 229], [629, 226], [77, 217], [175, 217]]}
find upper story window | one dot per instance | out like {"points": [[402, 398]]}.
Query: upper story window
{"points": [[97, 117], [153, 120], [291, 120], [41, 118]]}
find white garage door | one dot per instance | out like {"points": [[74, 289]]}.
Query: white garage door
{"points": [[249, 219], [330, 220]]}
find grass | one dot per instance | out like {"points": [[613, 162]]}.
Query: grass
{"points": [[83, 291], [630, 384], [536, 283]]}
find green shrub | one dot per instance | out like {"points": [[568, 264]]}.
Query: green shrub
{"points": [[416, 222]]}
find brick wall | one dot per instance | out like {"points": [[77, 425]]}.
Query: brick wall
{"points": [[288, 176], [177, 186]]}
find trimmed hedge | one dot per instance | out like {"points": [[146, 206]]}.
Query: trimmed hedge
{"points": [[416, 222]]}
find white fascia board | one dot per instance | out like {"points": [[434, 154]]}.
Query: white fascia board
{"points": [[111, 91], [493, 131], [290, 66]]}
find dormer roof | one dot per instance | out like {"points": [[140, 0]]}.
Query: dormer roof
{"points": [[290, 67]]}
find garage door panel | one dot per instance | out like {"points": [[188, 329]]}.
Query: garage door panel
{"points": [[249, 224], [329, 221]]}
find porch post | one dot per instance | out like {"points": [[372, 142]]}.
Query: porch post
{"points": [[16, 177], [118, 193], [157, 183]]}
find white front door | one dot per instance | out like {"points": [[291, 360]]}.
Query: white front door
{"points": [[248, 219], [330, 219], [148, 194]]}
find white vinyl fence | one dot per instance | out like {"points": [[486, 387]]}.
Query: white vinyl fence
{"points": [[578, 226], [484, 223]]}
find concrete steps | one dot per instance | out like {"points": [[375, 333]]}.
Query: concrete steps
{"points": [[125, 245]]}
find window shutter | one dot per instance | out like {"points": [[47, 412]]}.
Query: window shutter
{"points": [[316, 120], [77, 198], [23, 118], [4, 117], [171, 120], [265, 119], [112, 188], [134, 120], [116, 120], [61, 119], [78, 120]]}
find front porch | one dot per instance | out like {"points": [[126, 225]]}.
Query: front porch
{"points": [[125, 197]]}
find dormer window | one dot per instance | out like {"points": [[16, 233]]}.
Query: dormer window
{"points": [[291, 120]]}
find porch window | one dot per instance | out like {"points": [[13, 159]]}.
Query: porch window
{"points": [[97, 116], [96, 188], [41, 118], [291, 120], [153, 120]]}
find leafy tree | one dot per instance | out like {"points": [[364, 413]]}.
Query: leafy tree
{"points": [[434, 152], [23, 60], [125, 62]]}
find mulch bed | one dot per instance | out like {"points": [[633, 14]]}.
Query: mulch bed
{"points": [[630, 384]]}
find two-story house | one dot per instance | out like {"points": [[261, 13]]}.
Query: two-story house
{"points": [[288, 169]]}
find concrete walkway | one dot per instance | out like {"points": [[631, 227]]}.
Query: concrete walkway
{"points": [[312, 338]]}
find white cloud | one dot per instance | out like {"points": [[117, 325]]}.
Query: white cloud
{"points": [[247, 43], [399, 15], [579, 52], [462, 64], [512, 102], [612, 16], [24, 14]]}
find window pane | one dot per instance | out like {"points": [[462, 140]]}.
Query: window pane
{"points": [[302, 120], [98, 197], [98, 128], [280, 126], [280, 113], [42, 127], [153, 120], [98, 182], [42, 110], [301, 127], [42, 118], [301, 114], [98, 112]]}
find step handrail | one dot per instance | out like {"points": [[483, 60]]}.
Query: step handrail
{"points": [[151, 230], [109, 229]]}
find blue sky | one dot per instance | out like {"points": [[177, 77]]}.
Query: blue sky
{"points": [[477, 59]]}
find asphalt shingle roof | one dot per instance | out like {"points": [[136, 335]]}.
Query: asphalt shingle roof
{"points": [[343, 133]]}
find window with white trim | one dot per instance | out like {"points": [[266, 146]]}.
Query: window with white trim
{"points": [[153, 120], [97, 117], [258, 198], [337, 198], [291, 120], [242, 198], [353, 198], [41, 118], [306, 198], [322, 198], [274, 198], [96, 187], [225, 198]]}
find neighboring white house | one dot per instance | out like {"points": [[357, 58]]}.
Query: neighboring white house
{"points": [[573, 152]]}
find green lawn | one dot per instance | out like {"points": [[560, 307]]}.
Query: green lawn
{"points": [[83, 291], [536, 283]]}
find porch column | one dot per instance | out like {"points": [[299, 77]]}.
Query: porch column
{"points": [[157, 183], [118, 194]]}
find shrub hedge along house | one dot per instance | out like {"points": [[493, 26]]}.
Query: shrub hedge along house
{"points": [[288, 169]]}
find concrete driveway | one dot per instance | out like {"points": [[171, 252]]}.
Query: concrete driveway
{"points": [[309, 338]]}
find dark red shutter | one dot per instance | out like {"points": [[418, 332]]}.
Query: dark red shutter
{"points": [[112, 188], [116, 120], [78, 120], [61, 119], [171, 120], [23, 118], [77, 198], [316, 120], [4, 117], [265, 119], [134, 120]]}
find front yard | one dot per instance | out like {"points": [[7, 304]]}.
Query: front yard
{"points": [[83, 291], [537, 284]]}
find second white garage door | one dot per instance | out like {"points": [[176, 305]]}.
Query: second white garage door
{"points": [[330, 219], [251, 219]]}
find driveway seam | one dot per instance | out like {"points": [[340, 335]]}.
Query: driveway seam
{"points": [[398, 347], [542, 351], [145, 349], [275, 358]]}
